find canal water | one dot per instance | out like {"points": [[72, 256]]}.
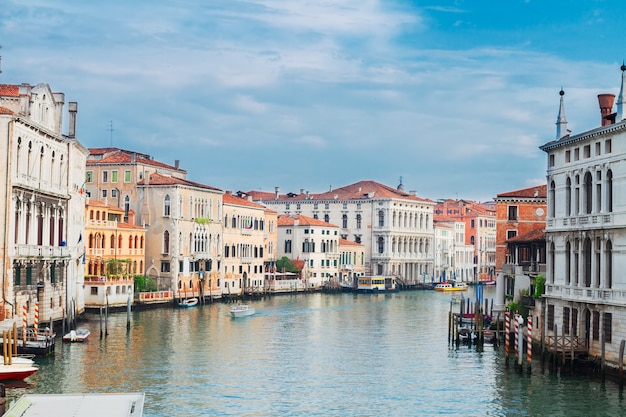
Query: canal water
{"points": [[312, 355]]}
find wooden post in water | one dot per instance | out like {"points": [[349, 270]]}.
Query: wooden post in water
{"points": [[14, 337], [602, 346], [128, 313], [450, 323], [100, 322], [621, 363]]}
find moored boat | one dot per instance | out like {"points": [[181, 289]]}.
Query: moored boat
{"points": [[78, 335], [16, 371], [241, 310], [189, 302], [376, 284]]}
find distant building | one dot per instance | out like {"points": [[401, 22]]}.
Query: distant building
{"points": [[480, 232], [42, 175], [115, 253], [585, 292], [351, 260], [313, 242], [394, 226], [454, 259], [520, 238]]}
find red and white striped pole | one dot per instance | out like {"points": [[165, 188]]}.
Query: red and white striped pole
{"points": [[24, 322], [515, 319], [529, 342], [507, 334], [36, 323]]}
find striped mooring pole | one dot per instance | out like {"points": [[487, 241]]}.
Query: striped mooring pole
{"points": [[24, 312], [507, 335], [36, 322], [529, 341], [515, 339]]}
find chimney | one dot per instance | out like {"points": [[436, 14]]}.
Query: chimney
{"points": [[73, 109], [606, 105], [176, 163], [276, 191], [301, 190]]}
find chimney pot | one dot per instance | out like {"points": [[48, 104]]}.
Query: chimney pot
{"points": [[606, 105]]}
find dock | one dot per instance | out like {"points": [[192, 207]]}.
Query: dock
{"points": [[78, 405]]}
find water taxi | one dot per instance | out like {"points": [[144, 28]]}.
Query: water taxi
{"points": [[375, 284], [447, 286], [241, 310]]}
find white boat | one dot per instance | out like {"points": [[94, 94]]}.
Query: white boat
{"points": [[78, 335], [241, 310], [376, 284], [189, 302]]}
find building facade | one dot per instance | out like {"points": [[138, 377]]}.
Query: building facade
{"points": [[394, 226], [42, 246], [585, 293], [115, 254]]}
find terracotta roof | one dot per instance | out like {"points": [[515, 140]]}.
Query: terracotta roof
{"points": [[289, 219], [238, 201], [9, 90], [532, 236], [358, 191], [529, 192], [346, 242], [4, 110], [99, 203], [160, 179], [120, 156]]}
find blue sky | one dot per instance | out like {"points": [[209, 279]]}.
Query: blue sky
{"points": [[453, 96]]}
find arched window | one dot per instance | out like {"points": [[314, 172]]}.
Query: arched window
{"points": [[587, 261], [327, 218], [166, 242], [166, 206], [381, 218], [112, 242], [568, 264], [609, 264], [588, 184], [344, 221], [358, 221], [551, 196], [568, 197], [381, 244], [609, 191]]}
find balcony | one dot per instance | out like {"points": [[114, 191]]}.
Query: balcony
{"points": [[33, 251], [586, 294]]}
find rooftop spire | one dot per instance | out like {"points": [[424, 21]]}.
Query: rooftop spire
{"points": [[620, 99], [561, 121]]}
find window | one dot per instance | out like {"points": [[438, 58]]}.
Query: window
{"points": [[587, 151], [568, 156], [576, 154], [114, 192], [104, 193], [287, 246], [358, 221], [166, 206], [550, 317], [608, 327], [165, 266], [381, 244], [94, 290], [166, 242], [114, 176], [607, 146], [89, 177], [552, 160], [512, 212], [105, 176], [381, 218], [566, 320], [344, 222], [598, 148], [127, 175], [596, 325], [326, 218], [510, 234]]}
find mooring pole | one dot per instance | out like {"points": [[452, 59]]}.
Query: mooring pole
{"points": [[507, 336], [529, 343]]}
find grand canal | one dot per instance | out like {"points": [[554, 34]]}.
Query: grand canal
{"points": [[312, 355]]}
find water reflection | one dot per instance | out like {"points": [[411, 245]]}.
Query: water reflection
{"points": [[311, 355]]}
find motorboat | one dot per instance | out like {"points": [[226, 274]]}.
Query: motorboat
{"points": [[78, 335], [17, 368], [447, 286], [241, 310], [188, 302]]}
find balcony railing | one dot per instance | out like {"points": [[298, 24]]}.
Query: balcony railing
{"points": [[586, 294], [42, 251]]}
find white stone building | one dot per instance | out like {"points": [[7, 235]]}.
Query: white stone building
{"points": [[585, 292], [395, 227], [312, 241], [42, 175], [453, 259]]}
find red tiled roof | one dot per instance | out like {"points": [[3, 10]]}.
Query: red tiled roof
{"points": [[121, 156], [357, 191], [346, 242], [541, 190], [288, 220], [9, 90], [238, 201], [532, 236], [160, 179]]}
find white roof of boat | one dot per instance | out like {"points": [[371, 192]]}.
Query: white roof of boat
{"points": [[78, 405]]}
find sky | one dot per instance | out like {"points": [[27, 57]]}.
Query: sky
{"points": [[451, 98]]}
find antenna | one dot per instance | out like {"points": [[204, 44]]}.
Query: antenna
{"points": [[110, 129]]}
